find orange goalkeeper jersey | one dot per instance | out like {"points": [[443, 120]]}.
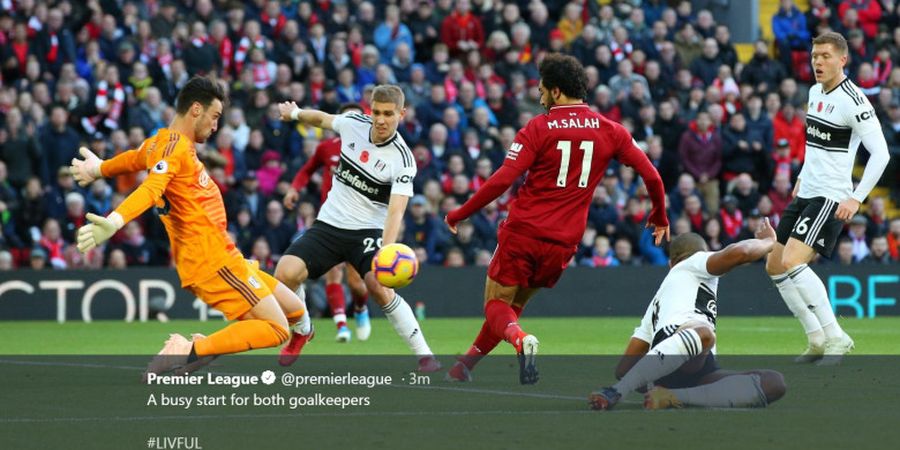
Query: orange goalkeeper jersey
{"points": [[189, 203]]}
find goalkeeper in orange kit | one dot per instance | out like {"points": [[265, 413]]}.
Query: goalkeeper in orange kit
{"points": [[191, 208]]}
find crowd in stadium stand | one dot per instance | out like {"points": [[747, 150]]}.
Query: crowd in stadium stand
{"points": [[727, 137]]}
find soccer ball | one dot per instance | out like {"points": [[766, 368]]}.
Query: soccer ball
{"points": [[395, 265]]}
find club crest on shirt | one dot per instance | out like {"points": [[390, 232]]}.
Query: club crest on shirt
{"points": [[364, 156], [380, 165], [204, 179]]}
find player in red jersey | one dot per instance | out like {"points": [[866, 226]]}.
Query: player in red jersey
{"points": [[565, 152], [328, 155]]}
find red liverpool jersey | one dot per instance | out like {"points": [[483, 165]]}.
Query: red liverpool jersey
{"points": [[566, 152], [328, 155]]}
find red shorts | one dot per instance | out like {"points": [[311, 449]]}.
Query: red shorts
{"points": [[525, 262]]}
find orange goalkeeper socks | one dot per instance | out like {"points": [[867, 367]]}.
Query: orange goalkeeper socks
{"points": [[242, 336]]}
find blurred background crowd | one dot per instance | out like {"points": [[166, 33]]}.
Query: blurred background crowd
{"points": [[726, 135]]}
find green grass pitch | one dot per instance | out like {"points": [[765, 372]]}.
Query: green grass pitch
{"points": [[559, 336], [76, 401]]}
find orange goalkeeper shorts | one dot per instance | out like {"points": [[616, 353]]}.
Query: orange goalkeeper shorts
{"points": [[236, 288]]}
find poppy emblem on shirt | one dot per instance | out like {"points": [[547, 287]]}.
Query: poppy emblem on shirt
{"points": [[819, 109], [364, 156]]}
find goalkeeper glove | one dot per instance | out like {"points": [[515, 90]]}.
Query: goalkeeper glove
{"points": [[98, 231], [87, 170]]}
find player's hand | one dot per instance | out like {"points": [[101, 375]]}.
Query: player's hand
{"points": [[290, 198], [87, 170], [98, 231], [847, 209], [765, 230], [286, 109], [659, 233], [451, 226]]}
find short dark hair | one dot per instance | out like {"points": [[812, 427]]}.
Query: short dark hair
{"points": [[198, 89], [835, 39], [685, 245], [566, 73]]}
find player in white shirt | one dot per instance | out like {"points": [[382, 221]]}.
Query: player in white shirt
{"points": [[674, 347], [363, 211], [839, 118]]}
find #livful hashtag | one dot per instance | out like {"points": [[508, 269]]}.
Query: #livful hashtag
{"points": [[151, 443]]}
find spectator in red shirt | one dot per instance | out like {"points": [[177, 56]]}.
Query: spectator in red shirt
{"points": [[788, 125], [869, 12], [462, 31], [780, 194]]}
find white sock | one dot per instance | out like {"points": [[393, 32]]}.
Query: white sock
{"points": [[797, 305], [734, 391], [338, 318], [665, 358], [814, 294], [304, 325], [401, 317]]}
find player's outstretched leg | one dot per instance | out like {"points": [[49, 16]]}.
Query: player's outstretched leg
{"points": [[360, 297], [666, 357], [401, 317], [263, 326], [302, 331], [484, 343], [334, 292], [292, 272], [722, 389]]}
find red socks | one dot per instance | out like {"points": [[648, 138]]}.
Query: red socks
{"points": [[334, 292], [503, 322], [485, 342]]}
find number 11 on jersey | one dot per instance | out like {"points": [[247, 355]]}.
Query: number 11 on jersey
{"points": [[566, 148]]}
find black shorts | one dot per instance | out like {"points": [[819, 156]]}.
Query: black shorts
{"points": [[811, 221], [680, 379], [324, 246]]}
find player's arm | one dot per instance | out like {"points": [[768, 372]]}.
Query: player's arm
{"points": [[401, 191], [629, 154], [306, 172], [290, 111], [746, 251], [302, 179], [518, 159], [866, 124], [100, 229], [86, 170], [396, 209]]}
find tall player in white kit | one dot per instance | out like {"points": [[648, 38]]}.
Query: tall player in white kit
{"points": [[363, 211], [674, 347], [839, 118]]}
